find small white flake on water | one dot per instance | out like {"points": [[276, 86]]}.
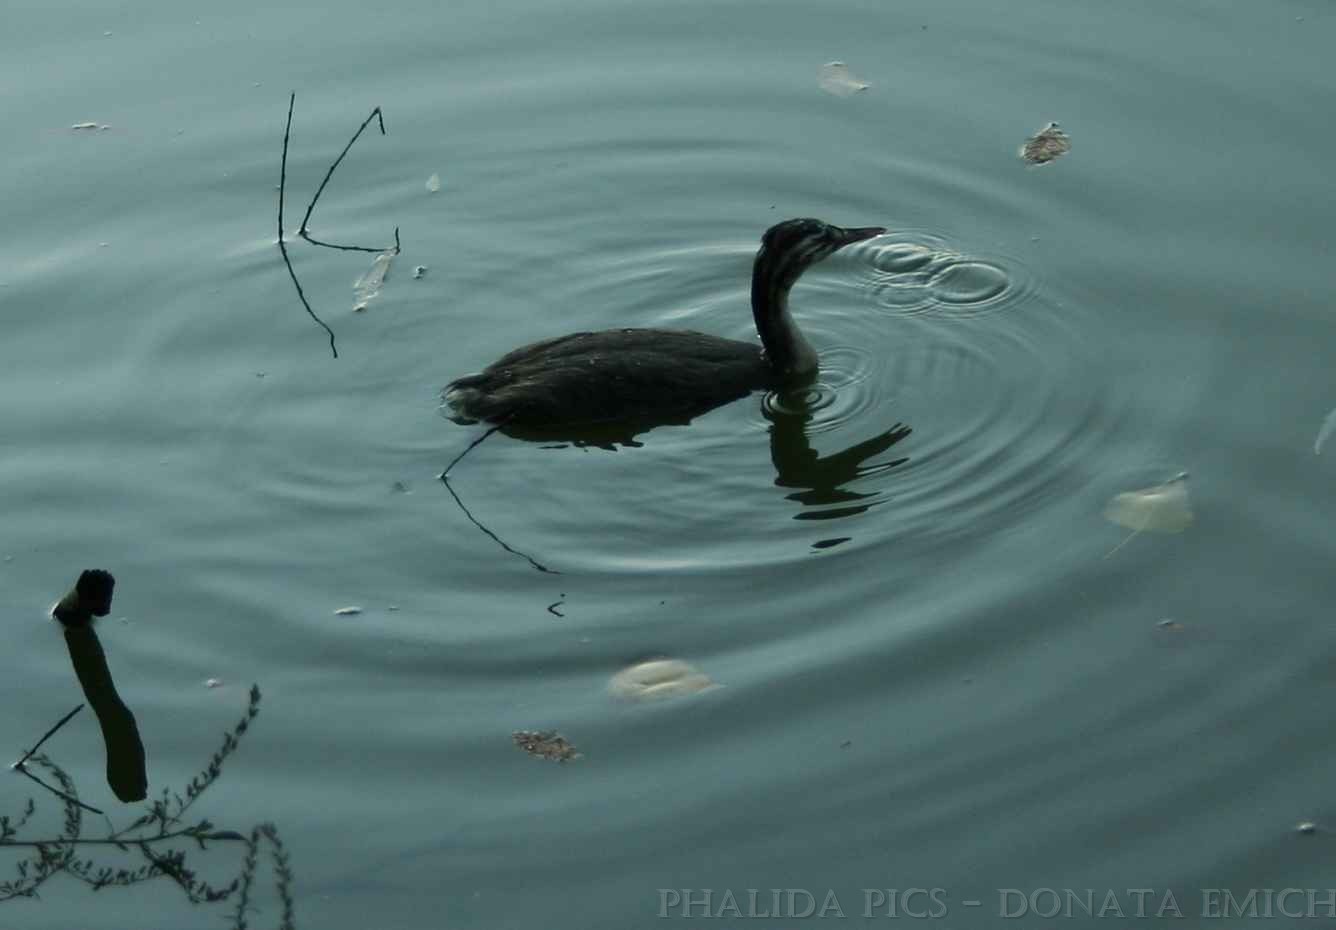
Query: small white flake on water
{"points": [[838, 80], [419, 272], [434, 183], [367, 287], [213, 683], [1323, 434], [347, 611]]}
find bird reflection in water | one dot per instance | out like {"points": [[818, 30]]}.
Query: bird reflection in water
{"points": [[822, 480], [821, 483]]}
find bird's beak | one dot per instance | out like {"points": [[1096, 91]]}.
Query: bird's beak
{"points": [[848, 236]]}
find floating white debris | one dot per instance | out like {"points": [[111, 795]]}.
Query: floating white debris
{"points": [[836, 79], [419, 272], [657, 680], [1306, 826], [367, 287], [89, 126], [1159, 509], [213, 683], [347, 611], [434, 183], [1046, 145], [1323, 434]]}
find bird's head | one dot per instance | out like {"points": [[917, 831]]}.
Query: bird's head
{"points": [[791, 247]]}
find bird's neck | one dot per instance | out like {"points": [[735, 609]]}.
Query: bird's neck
{"points": [[788, 353]]}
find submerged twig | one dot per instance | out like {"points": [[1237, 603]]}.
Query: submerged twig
{"points": [[445, 480], [282, 245], [1130, 536], [69, 798]]}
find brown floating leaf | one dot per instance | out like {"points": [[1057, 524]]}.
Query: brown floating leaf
{"points": [[1046, 145], [546, 744]]}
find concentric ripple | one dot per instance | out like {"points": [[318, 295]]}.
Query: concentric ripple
{"points": [[931, 418], [918, 272]]}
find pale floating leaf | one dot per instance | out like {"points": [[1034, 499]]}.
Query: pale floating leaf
{"points": [[96, 126], [367, 287], [213, 683], [1162, 508], [838, 80], [347, 611], [658, 679], [545, 744], [434, 183], [1323, 434], [1046, 145]]}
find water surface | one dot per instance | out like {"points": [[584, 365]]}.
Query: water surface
{"points": [[932, 676]]}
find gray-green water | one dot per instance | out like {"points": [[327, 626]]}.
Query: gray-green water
{"points": [[963, 694]]}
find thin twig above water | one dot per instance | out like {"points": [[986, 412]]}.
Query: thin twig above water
{"points": [[304, 231]]}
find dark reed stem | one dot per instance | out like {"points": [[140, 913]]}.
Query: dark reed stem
{"points": [[351, 248], [375, 114], [49, 733], [471, 446]]}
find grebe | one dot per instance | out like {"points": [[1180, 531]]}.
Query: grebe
{"points": [[658, 375]]}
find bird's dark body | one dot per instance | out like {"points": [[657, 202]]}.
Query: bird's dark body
{"points": [[645, 377], [617, 375]]}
